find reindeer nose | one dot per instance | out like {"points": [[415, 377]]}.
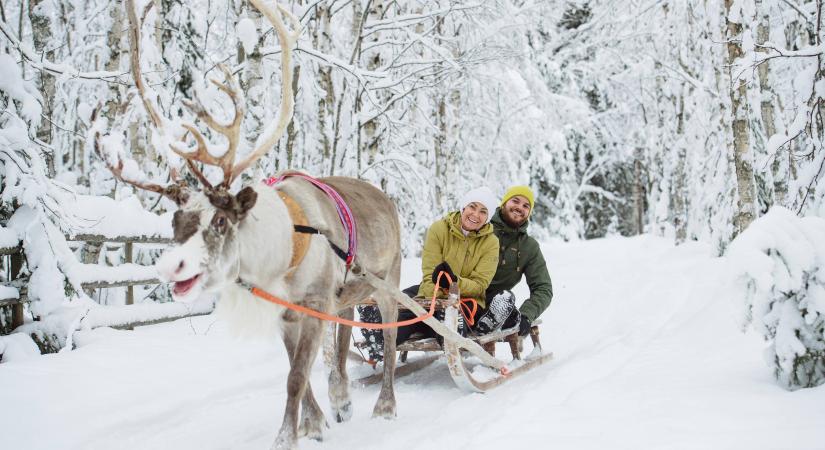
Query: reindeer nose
{"points": [[180, 267]]}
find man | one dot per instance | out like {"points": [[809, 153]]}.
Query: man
{"points": [[520, 255]]}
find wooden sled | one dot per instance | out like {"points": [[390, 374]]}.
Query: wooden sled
{"points": [[459, 349]]}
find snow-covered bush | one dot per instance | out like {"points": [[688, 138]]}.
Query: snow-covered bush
{"points": [[36, 200], [779, 266]]}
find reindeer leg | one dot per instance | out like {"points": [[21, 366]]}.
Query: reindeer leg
{"points": [[339, 398], [301, 354], [313, 422], [385, 406]]}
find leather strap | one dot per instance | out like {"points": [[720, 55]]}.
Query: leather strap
{"points": [[300, 241]]}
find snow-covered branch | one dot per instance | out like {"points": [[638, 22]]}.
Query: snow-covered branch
{"points": [[60, 69], [408, 20], [807, 52]]}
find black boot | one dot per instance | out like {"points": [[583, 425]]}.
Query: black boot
{"points": [[373, 338], [499, 308]]}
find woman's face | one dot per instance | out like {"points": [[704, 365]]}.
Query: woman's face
{"points": [[474, 216]]}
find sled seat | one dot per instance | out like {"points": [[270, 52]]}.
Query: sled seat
{"points": [[418, 343], [488, 341]]}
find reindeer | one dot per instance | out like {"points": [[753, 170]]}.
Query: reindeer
{"points": [[227, 242]]}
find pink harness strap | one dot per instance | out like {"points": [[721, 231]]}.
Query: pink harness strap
{"points": [[344, 213]]}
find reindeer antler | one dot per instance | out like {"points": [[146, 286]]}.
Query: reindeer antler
{"points": [[175, 191], [232, 131], [287, 40]]}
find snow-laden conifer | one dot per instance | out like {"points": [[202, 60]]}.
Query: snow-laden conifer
{"points": [[779, 267]]}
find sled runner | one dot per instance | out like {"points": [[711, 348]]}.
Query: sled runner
{"points": [[470, 360]]}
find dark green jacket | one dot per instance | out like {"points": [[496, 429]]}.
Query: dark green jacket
{"points": [[519, 254]]}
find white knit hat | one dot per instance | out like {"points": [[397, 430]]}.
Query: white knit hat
{"points": [[481, 195]]}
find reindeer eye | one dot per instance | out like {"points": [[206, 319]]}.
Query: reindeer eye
{"points": [[219, 224]]}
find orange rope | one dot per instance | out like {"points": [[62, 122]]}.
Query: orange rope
{"points": [[369, 325], [469, 312]]}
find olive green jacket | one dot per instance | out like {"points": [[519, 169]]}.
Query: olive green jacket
{"points": [[473, 257], [521, 255]]}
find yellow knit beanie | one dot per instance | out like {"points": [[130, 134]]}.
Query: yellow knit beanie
{"points": [[524, 191]]}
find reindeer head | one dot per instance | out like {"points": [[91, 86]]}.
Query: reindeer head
{"points": [[206, 256], [206, 225]]}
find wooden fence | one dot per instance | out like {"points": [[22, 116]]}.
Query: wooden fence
{"points": [[107, 277], [15, 263], [128, 250]]}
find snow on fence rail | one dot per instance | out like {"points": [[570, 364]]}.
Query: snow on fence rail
{"points": [[98, 276], [128, 274]]}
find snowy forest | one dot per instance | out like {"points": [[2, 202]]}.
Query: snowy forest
{"points": [[688, 120], [675, 149]]}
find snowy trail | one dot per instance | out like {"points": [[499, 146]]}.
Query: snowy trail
{"points": [[648, 355]]}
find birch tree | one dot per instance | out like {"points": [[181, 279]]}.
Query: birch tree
{"points": [[741, 144]]}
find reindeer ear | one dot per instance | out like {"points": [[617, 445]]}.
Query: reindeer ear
{"points": [[244, 201], [178, 193]]}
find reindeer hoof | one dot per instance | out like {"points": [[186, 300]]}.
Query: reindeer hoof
{"points": [[313, 429], [314, 432], [343, 413], [284, 442], [384, 410]]}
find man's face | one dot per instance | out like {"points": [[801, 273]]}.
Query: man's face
{"points": [[516, 211]]}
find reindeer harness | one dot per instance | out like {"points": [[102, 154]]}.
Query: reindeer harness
{"points": [[302, 232]]}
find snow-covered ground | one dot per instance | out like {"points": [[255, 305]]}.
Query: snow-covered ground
{"points": [[648, 356]]}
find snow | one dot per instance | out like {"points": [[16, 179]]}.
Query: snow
{"points": [[8, 238], [84, 112], [648, 354], [7, 292], [17, 347], [86, 273], [777, 264], [13, 84], [112, 316], [43, 259], [100, 215], [248, 34]]}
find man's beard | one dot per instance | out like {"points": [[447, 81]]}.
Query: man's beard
{"points": [[508, 217]]}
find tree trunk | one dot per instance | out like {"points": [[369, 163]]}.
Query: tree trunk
{"points": [[679, 201], [114, 102], [252, 82], [766, 107], [442, 157], [742, 152], [326, 100], [42, 35], [817, 121], [357, 26], [372, 136], [291, 129], [638, 191], [449, 99]]}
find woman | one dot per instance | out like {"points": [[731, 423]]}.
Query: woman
{"points": [[463, 245]]}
